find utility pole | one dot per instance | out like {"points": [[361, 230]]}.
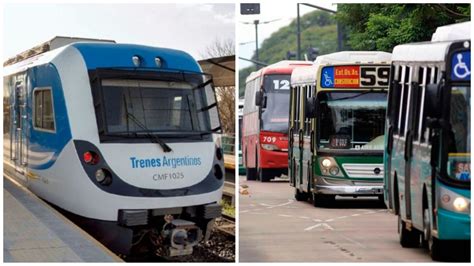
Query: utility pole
{"points": [[298, 32], [256, 40]]}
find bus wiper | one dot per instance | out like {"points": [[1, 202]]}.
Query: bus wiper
{"points": [[351, 97], [153, 138]]}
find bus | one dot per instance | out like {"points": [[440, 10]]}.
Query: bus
{"points": [[265, 120], [428, 151], [336, 127], [240, 116]]}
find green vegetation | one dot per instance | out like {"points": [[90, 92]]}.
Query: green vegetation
{"points": [[227, 208], [364, 27], [318, 29], [383, 26]]}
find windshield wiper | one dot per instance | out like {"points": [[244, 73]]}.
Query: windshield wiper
{"points": [[351, 97], [153, 138]]}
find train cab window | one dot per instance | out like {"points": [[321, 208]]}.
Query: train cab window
{"points": [[43, 109]]}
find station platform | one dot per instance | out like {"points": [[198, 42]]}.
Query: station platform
{"points": [[35, 232]]}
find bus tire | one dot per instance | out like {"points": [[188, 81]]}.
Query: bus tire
{"points": [[435, 246], [320, 200], [408, 239], [251, 173], [264, 175], [301, 196]]}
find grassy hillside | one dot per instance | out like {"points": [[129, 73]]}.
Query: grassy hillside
{"points": [[318, 29]]}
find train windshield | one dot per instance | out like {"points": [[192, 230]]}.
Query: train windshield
{"points": [[275, 112], [459, 150], [164, 107], [351, 120]]}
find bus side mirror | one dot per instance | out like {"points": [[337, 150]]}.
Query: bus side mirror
{"points": [[259, 98], [311, 109]]}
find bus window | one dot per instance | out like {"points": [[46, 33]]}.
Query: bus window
{"points": [[277, 89], [352, 120]]}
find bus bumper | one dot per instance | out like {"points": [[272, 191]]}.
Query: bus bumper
{"points": [[453, 226], [346, 187], [273, 159]]}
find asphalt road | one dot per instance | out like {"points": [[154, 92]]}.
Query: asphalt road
{"points": [[276, 228]]}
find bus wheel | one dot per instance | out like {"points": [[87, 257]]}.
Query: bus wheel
{"points": [[320, 200], [251, 173], [300, 196], [408, 239], [264, 175], [434, 245]]}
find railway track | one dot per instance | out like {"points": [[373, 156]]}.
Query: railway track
{"points": [[226, 224]]}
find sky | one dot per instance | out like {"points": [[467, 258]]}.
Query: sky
{"points": [[284, 12], [188, 27]]}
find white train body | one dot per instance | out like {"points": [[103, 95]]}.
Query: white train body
{"points": [[49, 149]]}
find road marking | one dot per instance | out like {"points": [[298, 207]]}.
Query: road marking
{"points": [[268, 206], [356, 214], [244, 211], [341, 217], [329, 220], [325, 225], [285, 215], [303, 217]]}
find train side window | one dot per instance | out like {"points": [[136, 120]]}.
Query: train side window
{"points": [[43, 109], [416, 102]]}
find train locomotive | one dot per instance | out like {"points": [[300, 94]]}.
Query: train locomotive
{"points": [[125, 138]]}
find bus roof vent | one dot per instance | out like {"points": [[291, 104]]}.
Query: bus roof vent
{"points": [[56, 42]]}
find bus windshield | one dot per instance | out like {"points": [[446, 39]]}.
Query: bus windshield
{"points": [[459, 150], [277, 93], [351, 120], [155, 106]]}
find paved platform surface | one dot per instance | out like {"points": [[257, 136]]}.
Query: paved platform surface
{"points": [[35, 232]]}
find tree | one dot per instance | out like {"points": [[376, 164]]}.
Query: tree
{"points": [[225, 95], [383, 26]]}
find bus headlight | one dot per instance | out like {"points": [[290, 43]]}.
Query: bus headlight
{"points": [[326, 163], [270, 147], [452, 201], [334, 170], [460, 204]]}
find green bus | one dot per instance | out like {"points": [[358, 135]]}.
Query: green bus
{"points": [[428, 152], [336, 127]]}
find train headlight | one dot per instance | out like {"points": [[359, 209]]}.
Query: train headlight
{"points": [[334, 170], [100, 175], [136, 60], [452, 201], [103, 176], [326, 163]]}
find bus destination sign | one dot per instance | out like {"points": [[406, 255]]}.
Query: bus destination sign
{"points": [[354, 76]]}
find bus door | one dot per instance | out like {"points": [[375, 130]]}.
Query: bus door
{"points": [[306, 146], [409, 136], [300, 167], [20, 127]]}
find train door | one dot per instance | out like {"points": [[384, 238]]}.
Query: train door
{"points": [[306, 150], [300, 135], [20, 125]]}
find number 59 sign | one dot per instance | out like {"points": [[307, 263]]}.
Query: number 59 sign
{"points": [[355, 76]]}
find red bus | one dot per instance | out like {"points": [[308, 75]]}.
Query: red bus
{"points": [[265, 120]]}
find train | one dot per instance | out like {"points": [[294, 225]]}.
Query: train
{"points": [[125, 138]]}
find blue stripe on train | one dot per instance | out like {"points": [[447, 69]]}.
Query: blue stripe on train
{"points": [[41, 141]]}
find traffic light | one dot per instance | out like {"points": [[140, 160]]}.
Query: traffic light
{"points": [[313, 52], [290, 55], [249, 9]]}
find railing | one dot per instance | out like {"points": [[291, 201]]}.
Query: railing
{"points": [[228, 144]]}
